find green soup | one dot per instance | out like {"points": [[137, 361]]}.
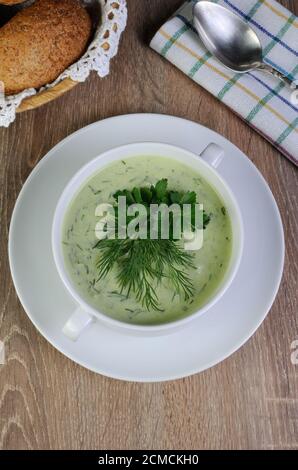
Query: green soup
{"points": [[79, 239]]}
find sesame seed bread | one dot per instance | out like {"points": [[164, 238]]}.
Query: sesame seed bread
{"points": [[41, 41]]}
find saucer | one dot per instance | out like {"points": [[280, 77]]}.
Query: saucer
{"points": [[202, 343]]}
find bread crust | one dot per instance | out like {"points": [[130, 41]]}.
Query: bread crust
{"points": [[41, 41]]}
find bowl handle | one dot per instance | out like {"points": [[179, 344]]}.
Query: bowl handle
{"points": [[213, 154], [77, 323]]}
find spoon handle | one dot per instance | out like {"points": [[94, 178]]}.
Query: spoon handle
{"points": [[277, 74]]}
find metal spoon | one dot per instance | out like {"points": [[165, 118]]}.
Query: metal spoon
{"points": [[231, 40]]}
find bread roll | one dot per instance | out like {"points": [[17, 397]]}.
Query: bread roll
{"points": [[41, 41]]}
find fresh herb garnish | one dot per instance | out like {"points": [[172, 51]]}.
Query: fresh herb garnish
{"points": [[143, 263], [140, 262], [160, 194]]}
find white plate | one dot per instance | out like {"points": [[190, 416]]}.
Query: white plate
{"points": [[204, 342]]}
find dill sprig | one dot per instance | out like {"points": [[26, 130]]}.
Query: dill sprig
{"points": [[142, 264]]}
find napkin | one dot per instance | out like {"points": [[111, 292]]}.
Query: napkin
{"points": [[263, 101]]}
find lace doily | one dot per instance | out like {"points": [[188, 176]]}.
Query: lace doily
{"points": [[97, 57]]}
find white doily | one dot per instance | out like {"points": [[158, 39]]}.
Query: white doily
{"points": [[97, 57]]}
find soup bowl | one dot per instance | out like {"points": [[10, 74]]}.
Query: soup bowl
{"points": [[205, 165]]}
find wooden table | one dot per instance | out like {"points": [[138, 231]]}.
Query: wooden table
{"points": [[46, 401]]}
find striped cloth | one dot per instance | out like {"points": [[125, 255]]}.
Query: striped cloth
{"points": [[264, 102]]}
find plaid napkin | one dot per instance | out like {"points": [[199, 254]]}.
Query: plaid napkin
{"points": [[264, 102]]}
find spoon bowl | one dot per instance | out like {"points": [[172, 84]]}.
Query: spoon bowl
{"points": [[232, 41]]}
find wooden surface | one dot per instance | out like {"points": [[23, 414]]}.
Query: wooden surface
{"points": [[47, 401]]}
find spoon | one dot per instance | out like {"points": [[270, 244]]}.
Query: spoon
{"points": [[231, 40]]}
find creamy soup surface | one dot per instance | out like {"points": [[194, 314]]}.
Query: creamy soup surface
{"points": [[78, 239]]}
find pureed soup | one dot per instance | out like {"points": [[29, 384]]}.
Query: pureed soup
{"points": [[81, 256]]}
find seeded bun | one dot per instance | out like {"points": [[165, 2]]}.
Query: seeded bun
{"points": [[41, 41]]}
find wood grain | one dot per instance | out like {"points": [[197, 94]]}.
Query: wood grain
{"points": [[48, 402]]}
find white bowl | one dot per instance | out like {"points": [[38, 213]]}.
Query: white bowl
{"points": [[205, 165]]}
